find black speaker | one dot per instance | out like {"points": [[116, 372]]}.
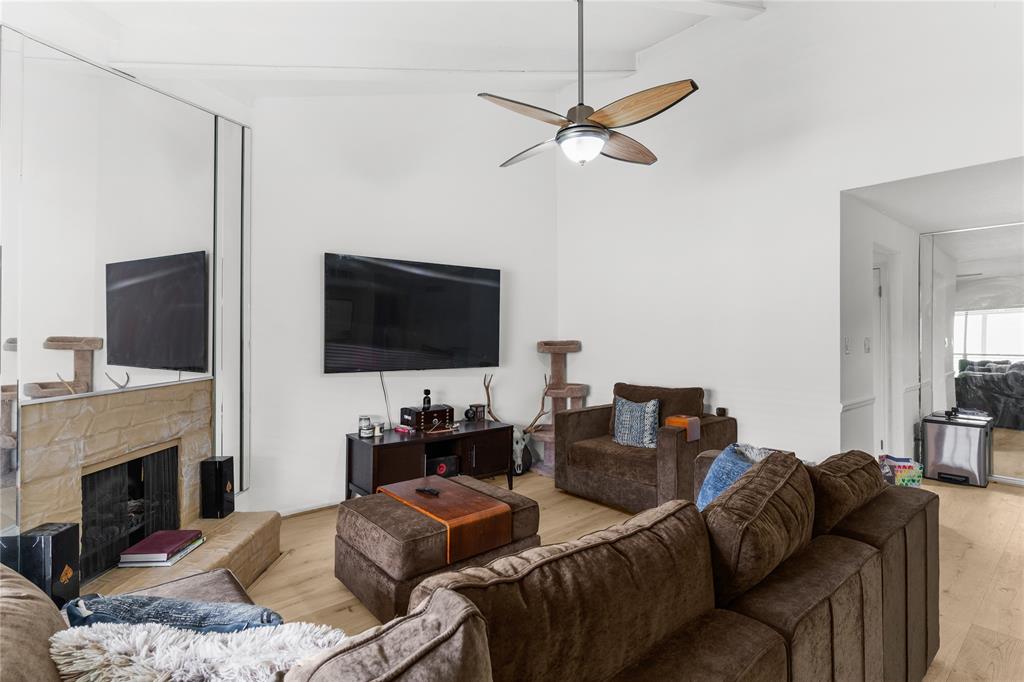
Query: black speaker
{"points": [[217, 479], [49, 558], [443, 466]]}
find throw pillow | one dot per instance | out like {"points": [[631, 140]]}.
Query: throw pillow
{"points": [[842, 483], [760, 521], [636, 424], [122, 652], [178, 613], [730, 464]]}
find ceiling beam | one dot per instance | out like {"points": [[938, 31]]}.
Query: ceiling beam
{"points": [[709, 8]]}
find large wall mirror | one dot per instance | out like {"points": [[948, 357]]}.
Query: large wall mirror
{"points": [[972, 334], [122, 220]]}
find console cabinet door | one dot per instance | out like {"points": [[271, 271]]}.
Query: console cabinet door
{"points": [[488, 452]]}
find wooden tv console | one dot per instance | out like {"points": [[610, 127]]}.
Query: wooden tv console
{"points": [[483, 449]]}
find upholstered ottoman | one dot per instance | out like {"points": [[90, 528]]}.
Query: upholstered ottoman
{"points": [[384, 548]]}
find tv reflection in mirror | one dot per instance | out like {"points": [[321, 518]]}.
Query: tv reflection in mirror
{"points": [[157, 313]]}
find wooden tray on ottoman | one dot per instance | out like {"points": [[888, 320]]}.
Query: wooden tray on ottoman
{"points": [[475, 522], [384, 547]]}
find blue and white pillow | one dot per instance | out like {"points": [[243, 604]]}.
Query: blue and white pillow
{"points": [[731, 463], [636, 424]]}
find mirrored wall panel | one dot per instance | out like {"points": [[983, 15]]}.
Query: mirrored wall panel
{"points": [[123, 309], [972, 333], [117, 225]]}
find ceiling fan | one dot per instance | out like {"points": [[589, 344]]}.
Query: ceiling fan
{"points": [[584, 133]]}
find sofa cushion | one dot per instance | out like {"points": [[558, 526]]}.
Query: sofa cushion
{"points": [[219, 584], [720, 645], [903, 524], [626, 588], [842, 483], [759, 522], [614, 460], [689, 401], [636, 424], [826, 601], [406, 543], [27, 620], [444, 638]]}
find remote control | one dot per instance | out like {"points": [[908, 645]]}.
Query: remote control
{"points": [[433, 492]]}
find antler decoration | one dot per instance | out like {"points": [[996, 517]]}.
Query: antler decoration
{"points": [[488, 378], [71, 389], [127, 379], [543, 395]]}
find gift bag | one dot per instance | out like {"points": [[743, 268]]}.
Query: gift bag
{"points": [[902, 471]]}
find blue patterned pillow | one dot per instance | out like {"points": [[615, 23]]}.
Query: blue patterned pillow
{"points": [[636, 424]]}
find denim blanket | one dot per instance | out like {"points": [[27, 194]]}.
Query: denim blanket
{"points": [[177, 613]]}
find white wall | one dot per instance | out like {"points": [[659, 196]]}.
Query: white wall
{"points": [[409, 177], [719, 266]]}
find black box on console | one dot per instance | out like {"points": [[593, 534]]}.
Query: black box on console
{"points": [[434, 418]]}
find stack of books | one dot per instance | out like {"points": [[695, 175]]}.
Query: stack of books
{"points": [[162, 548]]}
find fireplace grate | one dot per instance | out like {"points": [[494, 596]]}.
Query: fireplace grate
{"points": [[123, 504]]}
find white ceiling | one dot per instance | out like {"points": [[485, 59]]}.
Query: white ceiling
{"points": [[249, 49], [987, 194]]}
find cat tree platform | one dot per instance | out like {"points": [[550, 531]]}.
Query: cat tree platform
{"points": [[83, 348]]}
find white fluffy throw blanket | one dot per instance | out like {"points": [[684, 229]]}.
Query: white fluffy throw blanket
{"points": [[116, 652]]}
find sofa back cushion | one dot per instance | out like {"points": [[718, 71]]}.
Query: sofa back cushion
{"points": [[672, 401], [586, 609], [27, 620], [842, 483], [445, 638], [759, 522]]}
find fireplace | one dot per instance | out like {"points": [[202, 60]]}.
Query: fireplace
{"points": [[124, 503]]}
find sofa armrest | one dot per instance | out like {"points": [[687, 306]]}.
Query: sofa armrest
{"points": [[218, 585], [717, 433], [677, 456], [576, 425], [701, 466]]}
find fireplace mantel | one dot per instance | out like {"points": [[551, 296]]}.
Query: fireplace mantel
{"points": [[62, 439]]}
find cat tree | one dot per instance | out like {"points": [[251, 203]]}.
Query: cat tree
{"points": [[562, 395], [83, 347]]}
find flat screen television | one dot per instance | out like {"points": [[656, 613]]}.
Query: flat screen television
{"points": [[157, 313], [382, 314]]}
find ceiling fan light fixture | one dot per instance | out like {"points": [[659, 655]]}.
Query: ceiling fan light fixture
{"points": [[581, 143]]}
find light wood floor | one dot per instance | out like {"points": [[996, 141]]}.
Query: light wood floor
{"points": [[981, 574]]}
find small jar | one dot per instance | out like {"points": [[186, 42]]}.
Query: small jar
{"points": [[365, 427], [378, 429]]}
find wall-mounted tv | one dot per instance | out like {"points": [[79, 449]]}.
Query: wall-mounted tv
{"points": [[157, 313], [382, 315]]}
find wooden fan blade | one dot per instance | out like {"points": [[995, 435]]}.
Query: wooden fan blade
{"points": [[527, 153], [527, 110], [642, 105], [625, 148]]}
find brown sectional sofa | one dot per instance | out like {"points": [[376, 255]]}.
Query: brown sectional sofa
{"points": [[902, 525], [588, 463], [742, 591]]}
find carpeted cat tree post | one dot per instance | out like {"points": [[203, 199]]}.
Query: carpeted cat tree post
{"points": [[562, 395]]}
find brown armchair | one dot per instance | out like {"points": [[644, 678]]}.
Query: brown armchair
{"points": [[588, 463]]}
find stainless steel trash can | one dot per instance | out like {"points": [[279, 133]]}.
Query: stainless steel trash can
{"points": [[958, 447]]}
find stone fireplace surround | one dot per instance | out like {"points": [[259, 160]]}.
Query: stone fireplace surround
{"points": [[62, 439]]}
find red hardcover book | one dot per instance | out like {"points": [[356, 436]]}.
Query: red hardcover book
{"points": [[160, 545]]}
